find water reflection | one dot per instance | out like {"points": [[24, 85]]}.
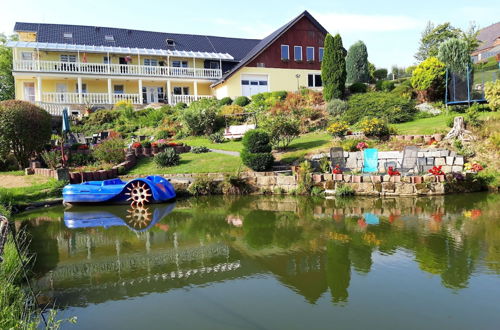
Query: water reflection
{"points": [[313, 247]]}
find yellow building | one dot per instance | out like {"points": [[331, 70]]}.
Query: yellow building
{"points": [[79, 67]]}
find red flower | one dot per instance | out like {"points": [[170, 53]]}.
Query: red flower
{"points": [[474, 214], [136, 145], [391, 172], [83, 147], [337, 170], [436, 170], [477, 167], [361, 145]]}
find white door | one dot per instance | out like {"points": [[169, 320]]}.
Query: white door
{"points": [[61, 90], [252, 84], [29, 92], [152, 94]]}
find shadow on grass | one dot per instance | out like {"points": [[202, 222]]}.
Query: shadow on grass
{"points": [[307, 145]]}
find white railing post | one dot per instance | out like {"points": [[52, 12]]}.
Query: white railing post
{"points": [[110, 94], [141, 101], [80, 90], [39, 88]]}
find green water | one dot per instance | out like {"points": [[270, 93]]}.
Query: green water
{"points": [[273, 263]]}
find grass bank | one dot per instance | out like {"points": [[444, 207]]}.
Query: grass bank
{"points": [[38, 191], [191, 163]]}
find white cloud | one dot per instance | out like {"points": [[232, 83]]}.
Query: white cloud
{"points": [[342, 22]]}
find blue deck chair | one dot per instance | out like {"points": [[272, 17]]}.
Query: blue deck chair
{"points": [[370, 160]]}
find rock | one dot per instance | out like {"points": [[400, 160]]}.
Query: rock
{"points": [[449, 160], [459, 160], [388, 187], [285, 180], [427, 107], [404, 189], [447, 169], [422, 188], [429, 178], [441, 161], [457, 168]]}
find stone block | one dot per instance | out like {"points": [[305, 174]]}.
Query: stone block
{"points": [[429, 178], [429, 161], [266, 180], [420, 154], [317, 178], [386, 178], [444, 153], [440, 161], [459, 160], [422, 188], [452, 153], [449, 160], [376, 178], [447, 168], [404, 188], [457, 168], [388, 187], [285, 180], [351, 162]]}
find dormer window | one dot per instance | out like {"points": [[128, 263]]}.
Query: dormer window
{"points": [[170, 42], [67, 35], [109, 38]]}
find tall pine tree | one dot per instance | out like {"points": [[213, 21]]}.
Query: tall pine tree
{"points": [[333, 72], [356, 63]]}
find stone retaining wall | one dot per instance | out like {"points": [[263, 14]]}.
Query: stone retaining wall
{"points": [[427, 158]]}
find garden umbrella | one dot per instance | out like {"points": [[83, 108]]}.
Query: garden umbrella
{"points": [[65, 129]]}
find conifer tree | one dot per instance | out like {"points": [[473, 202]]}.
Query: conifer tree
{"points": [[333, 71]]}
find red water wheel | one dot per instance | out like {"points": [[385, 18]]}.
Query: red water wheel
{"points": [[139, 193]]}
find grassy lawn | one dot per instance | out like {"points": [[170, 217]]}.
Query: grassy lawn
{"points": [[191, 163], [16, 173], [41, 188], [435, 124], [306, 144], [197, 141]]}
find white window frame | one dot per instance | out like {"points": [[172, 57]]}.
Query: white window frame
{"points": [[313, 80], [105, 59], [120, 93], [68, 58], [287, 53], [181, 64], [295, 54], [27, 56], [151, 62], [321, 53], [84, 88], [184, 90], [307, 59]]}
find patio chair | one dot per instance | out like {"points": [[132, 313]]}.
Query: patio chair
{"points": [[409, 162], [337, 158], [104, 135], [237, 131], [370, 160]]}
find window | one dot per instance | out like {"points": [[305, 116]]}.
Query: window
{"points": [[84, 88], [68, 58], [245, 82], [297, 51], [310, 54], [150, 62], [181, 90], [67, 35], [285, 53], [105, 59], [314, 80], [214, 65], [27, 56], [118, 89], [180, 64], [170, 42], [321, 51], [109, 38], [262, 82]]}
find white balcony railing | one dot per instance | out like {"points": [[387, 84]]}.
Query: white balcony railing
{"points": [[88, 98], [116, 69], [187, 98]]}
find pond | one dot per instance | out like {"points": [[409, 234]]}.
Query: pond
{"points": [[262, 262]]}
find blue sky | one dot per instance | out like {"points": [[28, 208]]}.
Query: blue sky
{"points": [[390, 29]]}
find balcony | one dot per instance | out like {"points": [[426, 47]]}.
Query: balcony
{"points": [[116, 69]]}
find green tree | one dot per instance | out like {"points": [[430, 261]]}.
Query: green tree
{"points": [[372, 69], [24, 129], [357, 63], [432, 37], [380, 74], [6, 78], [428, 79], [455, 54], [470, 37], [333, 70]]}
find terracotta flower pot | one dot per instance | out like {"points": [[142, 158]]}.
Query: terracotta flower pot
{"points": [[138, 152], [395, 179], [417, 179], [376, 178], [338, 177], [356, 178]]}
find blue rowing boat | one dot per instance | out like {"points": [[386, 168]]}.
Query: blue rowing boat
{"points": [[137, 192]]}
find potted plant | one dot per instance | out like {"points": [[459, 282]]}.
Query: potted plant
{"points": [[146, 148], [137, 147], [361, 146], [438, 173], [337, 173], [395, 175]]}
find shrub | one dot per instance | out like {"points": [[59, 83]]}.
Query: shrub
{"points": [[256, 141], [146, 144], [358, 87], [280, 95], [351, 144], [231, 109], [52, 158], [24, 130], [202, 186], [324, 164], [217, 137], [338, 128], [282, 129], [336, 107], [389, 106], [256, 153], [472, 116], [304, 178], [199, 150], [201, 116], [110, 151], [81, 159], [428, 79], [455, 54], [356, 63], [492, 94], [241, 101], [374, 127], [384, 85], [225, 101], [344, 190], [162, 135], [333, 68], [167, 158], [380, 74], [180, 105], [404, 90]]}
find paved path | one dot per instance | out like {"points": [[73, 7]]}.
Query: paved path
{"points": [[225, 152]]}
